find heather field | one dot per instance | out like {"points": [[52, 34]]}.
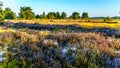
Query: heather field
{"points": [[91, 23], [59, 34], [36, 45]]}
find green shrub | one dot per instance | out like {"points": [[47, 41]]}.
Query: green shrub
{"points": [[107, 19], [12, 64]]}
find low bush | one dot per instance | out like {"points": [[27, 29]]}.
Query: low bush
{"points": [[36, 49]]}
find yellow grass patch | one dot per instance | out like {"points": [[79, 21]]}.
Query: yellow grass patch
{"points": [[6, 30], [99, 25], [80, 23]]}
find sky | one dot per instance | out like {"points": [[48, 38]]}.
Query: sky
{"points": [[94, 8]]}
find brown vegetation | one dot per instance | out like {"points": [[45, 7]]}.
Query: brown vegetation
{"points": [[33, 48]]}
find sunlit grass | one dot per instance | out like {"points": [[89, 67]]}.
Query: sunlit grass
{"points": [[36, 47], [70, 22], [6, 30], [100, 25]]}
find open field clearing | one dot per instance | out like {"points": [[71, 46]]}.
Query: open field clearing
{"points": [[115, 24], [59, 34], [57, 49]]}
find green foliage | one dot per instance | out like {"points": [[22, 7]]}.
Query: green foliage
{"points": [[14, 64], [43, 16], [51, 15], [107, 19], [56, 29], [75, 15], [85, 15], [26, 13], [9, 14], [37, 16], [2, 14], [11, 64], [57, 15], [63, 15]]}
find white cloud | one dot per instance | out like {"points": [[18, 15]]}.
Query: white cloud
{"points": [[12, 4]]}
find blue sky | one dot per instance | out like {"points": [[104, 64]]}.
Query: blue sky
{"points": [[93, 7]]}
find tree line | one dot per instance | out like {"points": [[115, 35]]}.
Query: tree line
{"points": [[27, 13]]}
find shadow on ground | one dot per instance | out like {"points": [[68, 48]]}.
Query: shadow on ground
{"points": [[68, 28]]}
